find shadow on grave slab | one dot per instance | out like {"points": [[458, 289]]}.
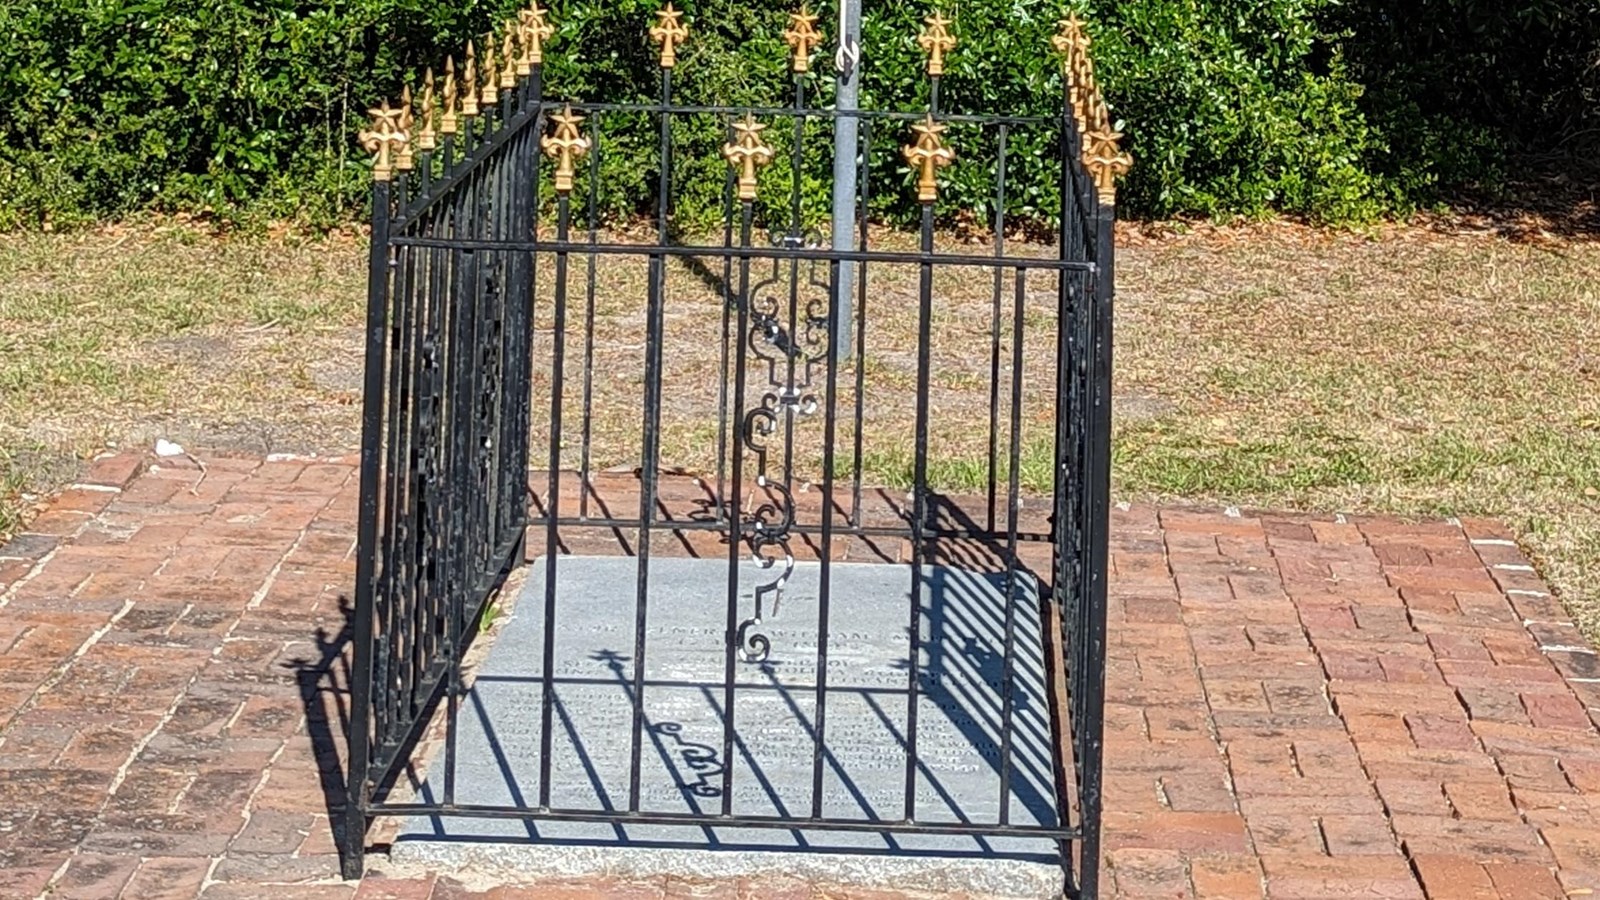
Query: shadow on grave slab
{"points": [[771, 762]]}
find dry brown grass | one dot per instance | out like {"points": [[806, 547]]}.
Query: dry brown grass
{"points": [[1411, 373]]}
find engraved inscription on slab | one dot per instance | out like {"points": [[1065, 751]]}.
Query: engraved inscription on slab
{"points": [[961, 707]]}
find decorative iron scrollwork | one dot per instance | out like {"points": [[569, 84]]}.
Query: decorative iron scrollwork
{"points": [[802, 343], [789, 317], [769, 548]]}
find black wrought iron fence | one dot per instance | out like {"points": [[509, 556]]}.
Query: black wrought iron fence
{"points": [[487, 351]]}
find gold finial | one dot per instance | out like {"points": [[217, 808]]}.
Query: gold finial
{"points": [[385, 134], [1071, 40], [447, 122], [1106, 161], [565, 146], [927, 154], [508, 56], [669, 31], [469, 83], [535, 31], [936, 40], [1102, 156], [746, 153], [491, 93], [425, 134], [1082, 90], [802, 35], [402, 160]]}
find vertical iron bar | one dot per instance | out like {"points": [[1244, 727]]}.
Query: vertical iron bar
{"points": [[994, 323], [735, 500], [919, 493], [398, 639], [533, 97], [558, 350], [353, 834], [722, 357], [588, 317], [394, 579], [819, 741], [864, 182], [791, 399], [462, 426], [652, 438], [1012, 503]]}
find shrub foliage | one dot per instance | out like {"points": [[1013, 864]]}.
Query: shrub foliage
{"points": [[1334, 109]]}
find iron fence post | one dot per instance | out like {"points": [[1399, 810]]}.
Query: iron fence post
{"points": [[352, 836], [1099, 488]]}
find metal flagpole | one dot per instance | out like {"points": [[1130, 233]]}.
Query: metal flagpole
{"points": [[847, 63]]}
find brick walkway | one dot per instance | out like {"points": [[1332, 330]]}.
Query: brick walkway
{"points": [[1298, 708]]}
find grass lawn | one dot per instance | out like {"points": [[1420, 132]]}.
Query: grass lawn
{"points": [[1276, 366]]}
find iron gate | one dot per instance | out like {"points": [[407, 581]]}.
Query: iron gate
{"points": [[777, 378]]}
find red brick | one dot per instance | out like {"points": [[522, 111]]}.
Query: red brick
{"points": [[1357, 835], [1448, 877], [115, 470], [1481, 800], [1467, 674], [1538, 773], [1148, 873], [1583, 773], [1370, 728], [1230, 877], [1415, 763], [1556, 711], [1197, 793], [1504, 841], [1542, 808], [1574, 848], [1537, 606], [93, 876], [1458, 646], [1244, 696], [1401, 555], [1271, 833], [273, 831], [222, 891], [682, 889], [1441, 732], [1437, 578], [1193, 832], [766, 887], [1297, 877], [1402, 796], [1499, 704], [27, 877], [1524, 881], [376, 886], [1518, 580], [1479, 528], [168, 878]]}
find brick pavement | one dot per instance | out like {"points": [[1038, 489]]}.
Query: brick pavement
{"points": [[1297, 707]]}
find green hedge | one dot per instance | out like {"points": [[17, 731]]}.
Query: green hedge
{"points": [[1335, 110]]}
